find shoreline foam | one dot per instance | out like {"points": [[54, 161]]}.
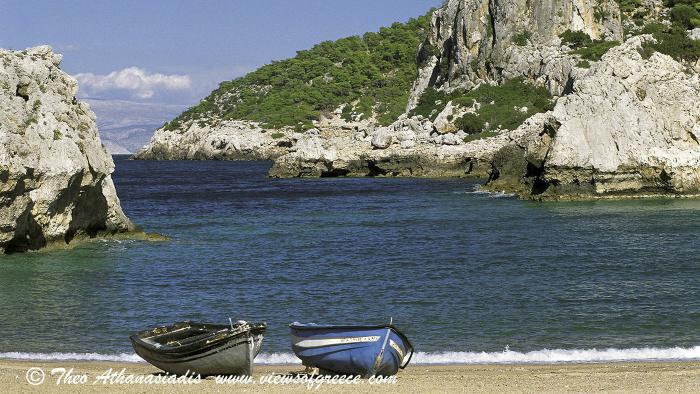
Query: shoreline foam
{"points": [[507, 357]]}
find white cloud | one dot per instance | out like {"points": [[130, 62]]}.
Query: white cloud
{"points": [[133, 79]]}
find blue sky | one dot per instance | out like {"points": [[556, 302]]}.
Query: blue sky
{"points": [[178, 51]]}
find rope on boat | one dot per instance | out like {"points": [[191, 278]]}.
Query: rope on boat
{"points": [[379, 358]]}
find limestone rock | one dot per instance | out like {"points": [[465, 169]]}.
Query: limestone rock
{"points": [[309, 157], [382, 139], [624, 126], [444, 122], [545, 65], [312, 149], [474, 40], [652, 9], [694, 34], [56, 175], [630, 127], [408, 150], [228, 140], [450, 139]]}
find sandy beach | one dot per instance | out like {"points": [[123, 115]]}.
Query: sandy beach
{"points": [[609, 377]]}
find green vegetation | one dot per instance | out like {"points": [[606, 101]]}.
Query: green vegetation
{"points": [[629, 6], [685, 15], [600, 13], [373, 75], [470, 123], [575, 39], [673, 41], [375, 71], [522, 38], [501, 107], [431, 103], [586, 47], [596, 50], [30, 121], [653, 28], [276, 136], [634, 10], [57, 135], [362, 110], [480, 136], [673, 3]]}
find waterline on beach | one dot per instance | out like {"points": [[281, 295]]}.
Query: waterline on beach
{"points": [[544, 356]]}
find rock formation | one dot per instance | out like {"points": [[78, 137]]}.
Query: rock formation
{"points": [[623, 125], [56, 182], [404, 148], [230, 140], [409, 147], [630, 127], [472, 41]]}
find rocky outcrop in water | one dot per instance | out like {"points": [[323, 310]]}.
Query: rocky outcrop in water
{"points": [[410, 147], [630, 127], [56, 183], [623, 125], [229, 140], [470, 42]]}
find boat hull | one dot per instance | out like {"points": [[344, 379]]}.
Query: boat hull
{"points": [[213, 355], [352, 350]]}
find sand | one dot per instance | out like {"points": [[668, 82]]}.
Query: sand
{"points": [[609, 377]]}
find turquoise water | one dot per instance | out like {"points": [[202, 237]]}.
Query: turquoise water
{"points": [[461, 272]]}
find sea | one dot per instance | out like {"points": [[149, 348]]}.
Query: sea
{"points": [[469, 276]]}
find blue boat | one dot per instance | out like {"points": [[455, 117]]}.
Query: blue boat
{"points": [[352, 350]]}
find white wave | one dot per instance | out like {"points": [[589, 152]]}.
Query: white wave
{"points": [[122, 357], [501, 195], [544, 356], [547, 356], [477, 190], [277, 358]]}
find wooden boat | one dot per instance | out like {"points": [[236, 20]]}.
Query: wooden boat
{"points": [[200, 348], [352, 350]]}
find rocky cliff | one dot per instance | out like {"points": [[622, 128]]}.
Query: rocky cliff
{"points": [[56, 183], [364, 142], [477, 41], [630, 127], [520, 92]]}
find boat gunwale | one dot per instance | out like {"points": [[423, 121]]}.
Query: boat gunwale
{"points": [[199, 346], [311, 327]]}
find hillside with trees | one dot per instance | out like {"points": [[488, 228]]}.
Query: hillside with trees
{"points": [[374, 72]]}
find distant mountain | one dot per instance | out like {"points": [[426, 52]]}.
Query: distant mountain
{"points": [[126, 126]]}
